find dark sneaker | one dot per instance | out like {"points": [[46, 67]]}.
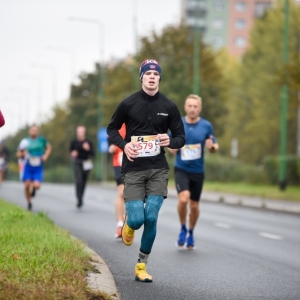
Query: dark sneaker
{"points": [[29, 206], [79, 203], [190, 244]]}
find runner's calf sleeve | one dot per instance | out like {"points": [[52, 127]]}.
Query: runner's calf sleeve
{"points": [[153, 205], [135, 213]]}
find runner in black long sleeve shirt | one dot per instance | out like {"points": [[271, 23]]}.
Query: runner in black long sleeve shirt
{"points": [[143, 115], [81, 151], [148, 116]]}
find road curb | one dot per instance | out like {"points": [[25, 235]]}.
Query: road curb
{"points": [[253, 202], [240, 200], [102, 280]]}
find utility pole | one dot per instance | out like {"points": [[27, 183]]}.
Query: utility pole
{"points": [[196, 64], [72, 55], [284, 100], [134, 72], [101, 171], [298, 126], [54, 78], [39, 98], [298, 114], [100, 159]]}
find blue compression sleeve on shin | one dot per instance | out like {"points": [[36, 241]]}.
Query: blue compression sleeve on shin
{"points": [[135, 213], [153, 205]]}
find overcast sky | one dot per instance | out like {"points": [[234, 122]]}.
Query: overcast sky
{"points": [[42, 51]]}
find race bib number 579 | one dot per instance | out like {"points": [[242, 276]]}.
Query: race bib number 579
{"points": [[146, 145]]}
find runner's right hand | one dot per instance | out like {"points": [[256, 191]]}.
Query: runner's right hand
{"points": [[130, 150]]}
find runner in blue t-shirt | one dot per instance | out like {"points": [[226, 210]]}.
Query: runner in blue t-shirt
{"points": [[189, 167], [34, 150]]}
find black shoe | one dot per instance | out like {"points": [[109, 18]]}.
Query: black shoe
{"points": [[79, 203], [29, 206], [33, 192]]}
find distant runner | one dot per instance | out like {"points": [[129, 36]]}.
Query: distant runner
{"points": [[81, 151], [35, 150]]}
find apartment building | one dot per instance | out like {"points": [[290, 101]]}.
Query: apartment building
{"points": [[224, 23]]}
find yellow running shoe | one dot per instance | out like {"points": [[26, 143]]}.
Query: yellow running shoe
{"points": [[127, 234], [141, 273]]}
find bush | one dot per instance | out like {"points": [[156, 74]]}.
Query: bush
{"points": [[218, 168], [65, 174], [62, 174], [271, 164], [222, 169]]}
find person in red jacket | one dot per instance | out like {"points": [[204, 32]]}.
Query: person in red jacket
{"points": [[2, 121], [117, 164]]}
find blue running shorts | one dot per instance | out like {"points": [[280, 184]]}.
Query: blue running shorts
{"points": [[33, 173]]}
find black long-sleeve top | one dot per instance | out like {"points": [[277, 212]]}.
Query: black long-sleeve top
{"points": [[82, 153], [146, 115]]}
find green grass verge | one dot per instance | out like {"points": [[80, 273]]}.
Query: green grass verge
{"points": [[38, 260], [292, 193]]}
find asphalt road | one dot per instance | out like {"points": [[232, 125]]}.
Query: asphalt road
{"points": [[242, 253]]}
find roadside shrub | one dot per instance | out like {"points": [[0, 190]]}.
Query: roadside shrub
{"points": [[271, 164], [63, 174], [218, 168], [221, 169]]}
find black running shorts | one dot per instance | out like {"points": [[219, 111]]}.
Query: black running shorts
{"points": [[118, 175], [192, 182]]}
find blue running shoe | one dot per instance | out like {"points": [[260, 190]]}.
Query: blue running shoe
{"points": [[181, 238], [190, 244]]}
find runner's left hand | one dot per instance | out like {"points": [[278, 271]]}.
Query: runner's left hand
{"points": [[164, 140], [210, 144]]}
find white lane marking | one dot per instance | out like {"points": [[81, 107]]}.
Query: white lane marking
{"points": [[270, 236], [223, 225]]}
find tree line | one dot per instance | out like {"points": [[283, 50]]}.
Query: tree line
{"points": [[240, 97]]}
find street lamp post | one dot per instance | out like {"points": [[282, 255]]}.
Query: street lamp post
{"points": [[38, 94], [54, 77], [100, 164], [26, 104], [284, 100], [135, 44], [15, 116], [72, 55], [196, 64], [20, 119]]}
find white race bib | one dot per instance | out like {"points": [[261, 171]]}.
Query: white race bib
{"points": [[2, 161], [146, 145], [35, 161], [191, 152], [87, 165]]}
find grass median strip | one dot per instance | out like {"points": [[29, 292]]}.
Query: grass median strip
{"points": [[38, 260], [255, 190]]}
